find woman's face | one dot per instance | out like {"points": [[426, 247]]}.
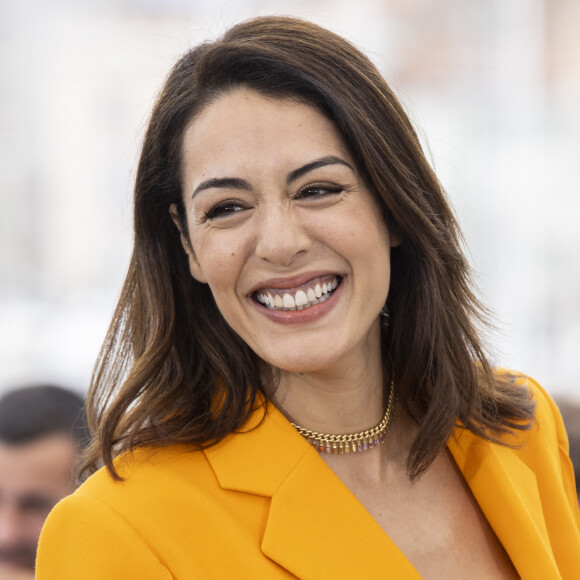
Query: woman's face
{"points": [[284, 231]]}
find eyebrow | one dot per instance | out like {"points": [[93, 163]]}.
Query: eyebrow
{"points": [[223, 183], [322, 162], [238, 183]]}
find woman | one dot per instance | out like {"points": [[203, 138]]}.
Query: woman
{"points": [[293, 383]]}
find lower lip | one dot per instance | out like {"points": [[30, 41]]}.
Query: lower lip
{"points": [[305, 316]]}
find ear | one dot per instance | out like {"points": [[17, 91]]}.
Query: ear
{"points": [[194, 266]]}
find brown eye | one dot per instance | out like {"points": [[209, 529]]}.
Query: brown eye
{"points": [[320, 190], [223, 209]]}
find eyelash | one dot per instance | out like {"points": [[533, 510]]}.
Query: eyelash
{"points": [[327, 189], [228, 208], [222, 209]]}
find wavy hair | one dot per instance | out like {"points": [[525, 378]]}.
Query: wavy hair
{"points": [[171, 370]]}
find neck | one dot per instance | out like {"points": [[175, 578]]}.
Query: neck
{"points": [[345, 398]]}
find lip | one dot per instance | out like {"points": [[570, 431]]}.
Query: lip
{"points": [[305, 316], [292, 281]]}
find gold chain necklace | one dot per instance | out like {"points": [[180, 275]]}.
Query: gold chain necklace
{"points": [[352, 442]]}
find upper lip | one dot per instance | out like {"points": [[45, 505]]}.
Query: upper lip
{"points": [[288, 283]]}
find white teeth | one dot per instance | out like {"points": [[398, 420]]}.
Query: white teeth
{"points": [[301, 299]]}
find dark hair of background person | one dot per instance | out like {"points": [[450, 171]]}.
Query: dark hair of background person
{"points": [[31, 413], [171, 369], [571, 415]]}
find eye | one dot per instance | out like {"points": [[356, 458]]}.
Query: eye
{"points": [[321, 190], [223, 209]]}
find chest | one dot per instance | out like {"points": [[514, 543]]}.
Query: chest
{"points": [[437, 524]]}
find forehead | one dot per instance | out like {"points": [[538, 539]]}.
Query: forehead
{"points": [[245, 128], [42, 465]]}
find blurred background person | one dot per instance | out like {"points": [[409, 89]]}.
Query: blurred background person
{"points": [[570, 410], [42, 430]]}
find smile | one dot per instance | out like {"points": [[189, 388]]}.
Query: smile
{"points": [[300, 299]]}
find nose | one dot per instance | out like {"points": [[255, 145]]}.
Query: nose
{"points": [[281, 236]]}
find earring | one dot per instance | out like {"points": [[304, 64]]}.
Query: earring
{"points": [[385, 315]]}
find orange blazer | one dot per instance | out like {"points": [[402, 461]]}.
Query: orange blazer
{"points": [[263, 505]]}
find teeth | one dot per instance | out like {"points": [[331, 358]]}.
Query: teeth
{"points": [[301, 299], [288, 301]]}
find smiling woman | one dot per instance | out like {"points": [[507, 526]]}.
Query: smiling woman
{"points": [[293, 383]]}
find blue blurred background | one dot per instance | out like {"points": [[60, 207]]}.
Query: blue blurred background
{"points": [[493, 87]]}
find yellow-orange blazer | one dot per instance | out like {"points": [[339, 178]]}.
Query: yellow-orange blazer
{"points": [[263, 504]]}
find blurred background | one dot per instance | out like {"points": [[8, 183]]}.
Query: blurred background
{"points": [[493, 87]]}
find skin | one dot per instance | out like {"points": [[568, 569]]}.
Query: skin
{"points": [[277, 230], [33, 478], [254, 226]]}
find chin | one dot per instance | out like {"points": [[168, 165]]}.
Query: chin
{"points": [[306, 362]]}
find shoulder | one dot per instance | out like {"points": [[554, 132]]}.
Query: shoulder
{"points": [[169, 514], [155, 483], [543, 410], [149, 471], [538, 448], [547, 429], [546, 432], [105, 513], [162, 490], [151, 478], [544, 447]]}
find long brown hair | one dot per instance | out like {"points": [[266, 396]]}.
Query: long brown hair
{"points": [[169, 355]]}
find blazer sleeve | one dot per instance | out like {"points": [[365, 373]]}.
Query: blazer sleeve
{"points": [[85, 538]]}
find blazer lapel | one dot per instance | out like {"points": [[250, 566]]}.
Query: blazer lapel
{"points": [[316, 527], [507, 492]]}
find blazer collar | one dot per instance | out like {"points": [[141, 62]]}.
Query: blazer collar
{"points": [[507, 492], [317, 528]]}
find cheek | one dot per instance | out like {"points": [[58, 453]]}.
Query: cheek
{"points": [[220, 265], [360, 236]]}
